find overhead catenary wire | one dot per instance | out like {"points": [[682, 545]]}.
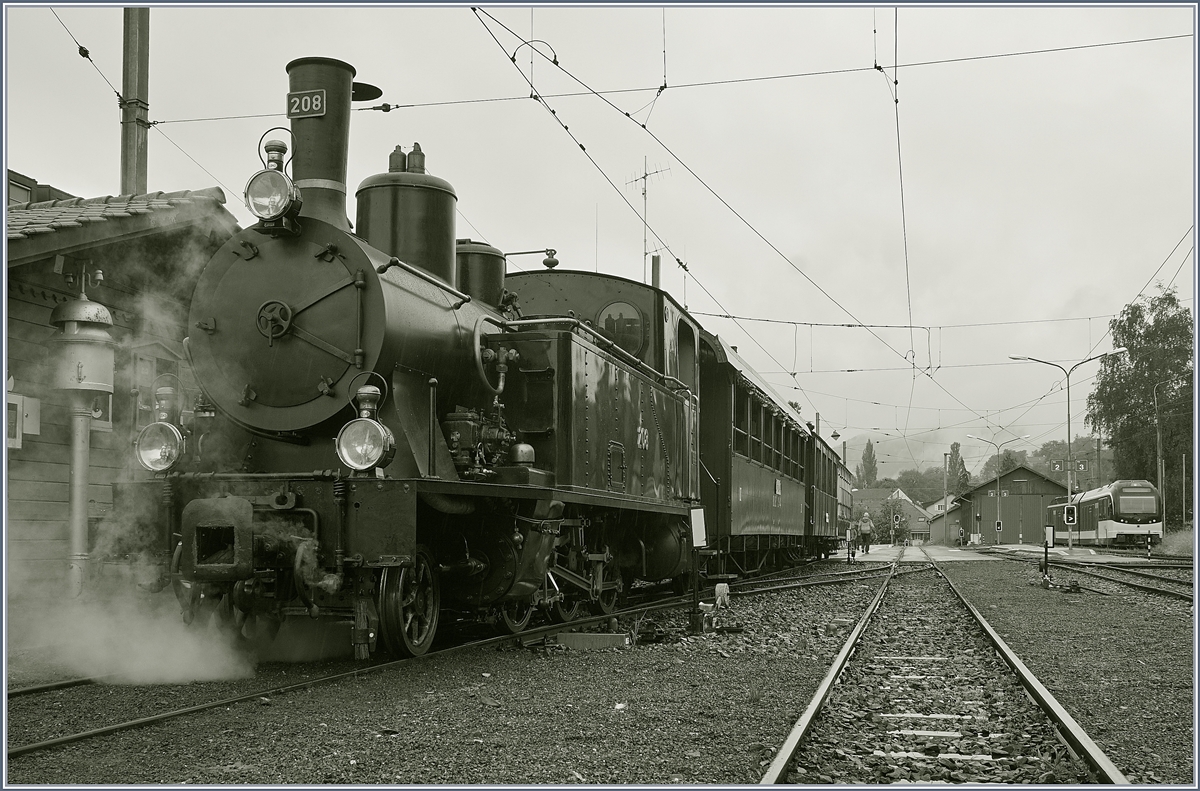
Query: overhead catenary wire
{"points": [[725, 203], [87, 55], [707, 83], [904, 326], [1142, 290], [611, 183]]}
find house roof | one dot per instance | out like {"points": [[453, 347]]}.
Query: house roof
{"points": [[61, 227], [872, 497], [992, 482]]}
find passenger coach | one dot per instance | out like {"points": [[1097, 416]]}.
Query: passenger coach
{"points": [[1123, 513]]}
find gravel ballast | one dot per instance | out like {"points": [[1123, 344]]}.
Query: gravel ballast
{"points": [[701, 710], [1120, 664]]}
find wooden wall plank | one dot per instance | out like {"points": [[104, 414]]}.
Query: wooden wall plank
{"points": [[38, 549], [26, 530], [38, 510], [48, 490], [24, 470]]}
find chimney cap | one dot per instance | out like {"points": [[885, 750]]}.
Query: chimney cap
{"points": [[364, 92]]}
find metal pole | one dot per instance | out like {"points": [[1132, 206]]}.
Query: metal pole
{"points": [[1122, 350], [81, 429], [1070, 535], [1159, 456], [945, 510], [135, 107]]}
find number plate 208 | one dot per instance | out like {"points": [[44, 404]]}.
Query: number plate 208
{"points": [[306, 104]]}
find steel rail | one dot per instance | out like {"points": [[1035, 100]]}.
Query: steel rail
{"points": [[796, 585], [1067, 728], [776, 772], [34, 689], [1148, 575], [871, 574], [1137, 585]]}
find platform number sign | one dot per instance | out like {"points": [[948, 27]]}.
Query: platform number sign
{"points": [[1056, 465], [306, 104], [1081, 465]]}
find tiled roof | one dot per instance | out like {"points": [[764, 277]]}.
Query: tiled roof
{"points": [[27, 219], [46, 227]]}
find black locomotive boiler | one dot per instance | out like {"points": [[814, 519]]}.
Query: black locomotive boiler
{"points": [[387, 429]]}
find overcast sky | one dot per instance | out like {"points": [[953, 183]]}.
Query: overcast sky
{"points": [[1012, 201]]}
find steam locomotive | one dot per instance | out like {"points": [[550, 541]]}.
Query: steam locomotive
{"points": [[389, 429]]}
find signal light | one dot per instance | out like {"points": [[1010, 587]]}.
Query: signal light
{"points": [[1069, 515]]}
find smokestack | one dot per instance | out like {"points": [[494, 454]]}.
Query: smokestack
{"points": [[322, 140], [656, 271]]}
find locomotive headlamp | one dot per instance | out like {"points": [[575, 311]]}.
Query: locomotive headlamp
{"points": [[270, 195], [364, 443], [159, 446]]}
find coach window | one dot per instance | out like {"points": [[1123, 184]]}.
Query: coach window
{"points": [[766, 437], [780, 444], [755, 429], [769, 446], [789, 448], [773, 457], [740, 416], [797, 458]]}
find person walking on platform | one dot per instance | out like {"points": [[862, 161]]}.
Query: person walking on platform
{"points": [[864, 534]]}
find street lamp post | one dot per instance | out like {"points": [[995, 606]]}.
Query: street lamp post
{"points": [[998, 447], [1068, 373]]}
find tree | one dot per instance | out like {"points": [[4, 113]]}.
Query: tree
{"points": [[1157, 331], [884, 519], [1010, 460], [1081, 448], [958, 480], [868, 471], [921, 485]]}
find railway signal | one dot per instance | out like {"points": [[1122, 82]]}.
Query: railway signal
{"points": [[1069, 516]]}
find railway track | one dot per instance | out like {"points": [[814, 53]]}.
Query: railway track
{"points": [[1161, 582], [235, 693], [1174, 580], [925, 691]]}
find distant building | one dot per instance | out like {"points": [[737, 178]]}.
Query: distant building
{"points": [[1024, 495], [918, 518]]}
